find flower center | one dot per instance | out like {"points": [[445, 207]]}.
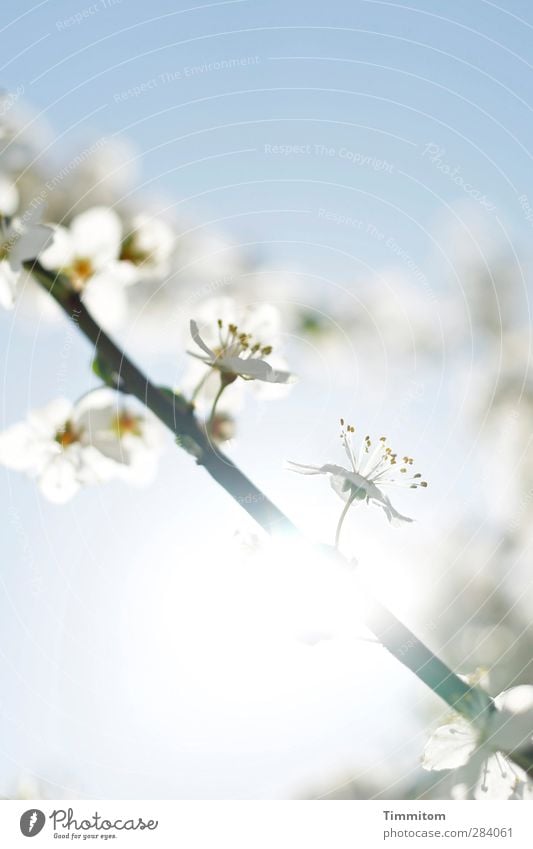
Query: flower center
{"points": [[67, 435], [235, 343], [131, 253], [126, 423], [80, 271]]}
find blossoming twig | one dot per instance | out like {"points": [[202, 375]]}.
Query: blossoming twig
{"points": [[470, 701]]}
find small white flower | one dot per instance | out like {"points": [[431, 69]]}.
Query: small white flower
{"points": [[202, 381], [66, 446], [373, 466], [484, 771], [148, 246], [19, 241], [237, 354], [87, 253]]}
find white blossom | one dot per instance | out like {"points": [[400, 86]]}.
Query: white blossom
{"points": [[65, 446], [88, 254], [372, 466], [484, 771], [237, 355], [206, 371]]}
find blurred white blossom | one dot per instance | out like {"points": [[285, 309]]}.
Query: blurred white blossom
{"points": [[88, 254], [483, 770], [66, 446]]}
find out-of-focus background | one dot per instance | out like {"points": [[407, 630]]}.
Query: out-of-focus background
{"points": [[365, 167]]}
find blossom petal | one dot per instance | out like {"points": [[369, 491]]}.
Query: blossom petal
{"points": [[60, 252], [27, 242], [255, 368], [450, 746], [50, 418], [511, 725], [106, 300], [58, 481], [302, 469], [195, 333], [18, 448], [97, 235], [392, 514], [27, 446], [516, 699]]}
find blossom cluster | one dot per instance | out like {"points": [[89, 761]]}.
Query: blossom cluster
{"points": [[126, 262], [65, 446]]}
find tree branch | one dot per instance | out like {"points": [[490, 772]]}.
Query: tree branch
{"points": [[472, 702]]}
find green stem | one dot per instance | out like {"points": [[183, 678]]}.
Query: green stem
{"points": [[215, 402], [342, 518]]}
